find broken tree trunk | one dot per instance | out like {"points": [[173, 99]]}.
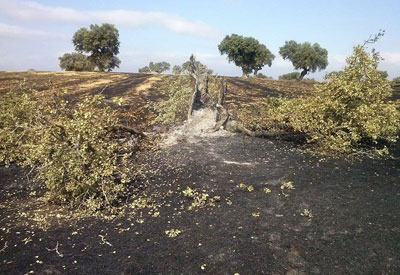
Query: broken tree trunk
{"points": [[199, 78], [223, 114]]}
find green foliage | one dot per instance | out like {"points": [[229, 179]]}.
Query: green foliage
{"points": [[158, 67], [351, 107], [101, 43], [246, 52], [383, 74], [290, 76], [331, 74], [396, 81], [350, 110], [76, 62], [200, 67], [177, 69], [305, 56], [261, 75], [269, 115], [144, 70], [179, 92], [74, 149]]}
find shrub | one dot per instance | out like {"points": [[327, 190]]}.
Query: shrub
{"points": [[174, 109], [261, 75], [290, 76], [76, 150], [76, 62]]}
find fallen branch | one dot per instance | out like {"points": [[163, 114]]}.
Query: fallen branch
{"points": [[104, 241]]}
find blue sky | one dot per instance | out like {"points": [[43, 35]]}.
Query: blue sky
{"points": [[33, 34]]}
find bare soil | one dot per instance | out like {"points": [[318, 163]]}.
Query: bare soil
{"points": [[254, 227]]}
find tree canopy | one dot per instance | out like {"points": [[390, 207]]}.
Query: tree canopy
{"points": [[246, 52], [101, 43], [158, 67], [305, 56], [186, 67], [177, 69], [76, 62]]}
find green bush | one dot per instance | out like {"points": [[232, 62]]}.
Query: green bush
{"points": [[76, 150], [175, 108], [350, 110], [290, 76], [261, 75], [76, 62]]}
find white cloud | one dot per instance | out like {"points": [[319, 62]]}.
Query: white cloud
{"points": [[33, 11], [16, 31], [391, 57]]}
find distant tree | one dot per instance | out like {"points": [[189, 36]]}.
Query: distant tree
{"points": [[101, 43], [383, 74], [76, 62], [396, 80], [155, 67], [145, 70], [159, 67], [305, 56], [290, 76], [186, 67], [177, 69], [246, 52], [261, 75]]}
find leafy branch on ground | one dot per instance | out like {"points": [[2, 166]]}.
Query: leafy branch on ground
{"points": [[349, 113], [79, 151]]}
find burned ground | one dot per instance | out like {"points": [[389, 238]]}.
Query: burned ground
{"points": [[258, 225]]}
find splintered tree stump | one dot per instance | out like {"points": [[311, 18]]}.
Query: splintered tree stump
{"points": [[200, 96], [223, 114], [199, 80]]}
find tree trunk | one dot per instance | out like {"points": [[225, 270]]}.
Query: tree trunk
{"points": [[199, 78], [303, 73], [223, 114], [194, 99]]}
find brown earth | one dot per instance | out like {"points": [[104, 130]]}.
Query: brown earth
{"points": [[255, 227]]}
